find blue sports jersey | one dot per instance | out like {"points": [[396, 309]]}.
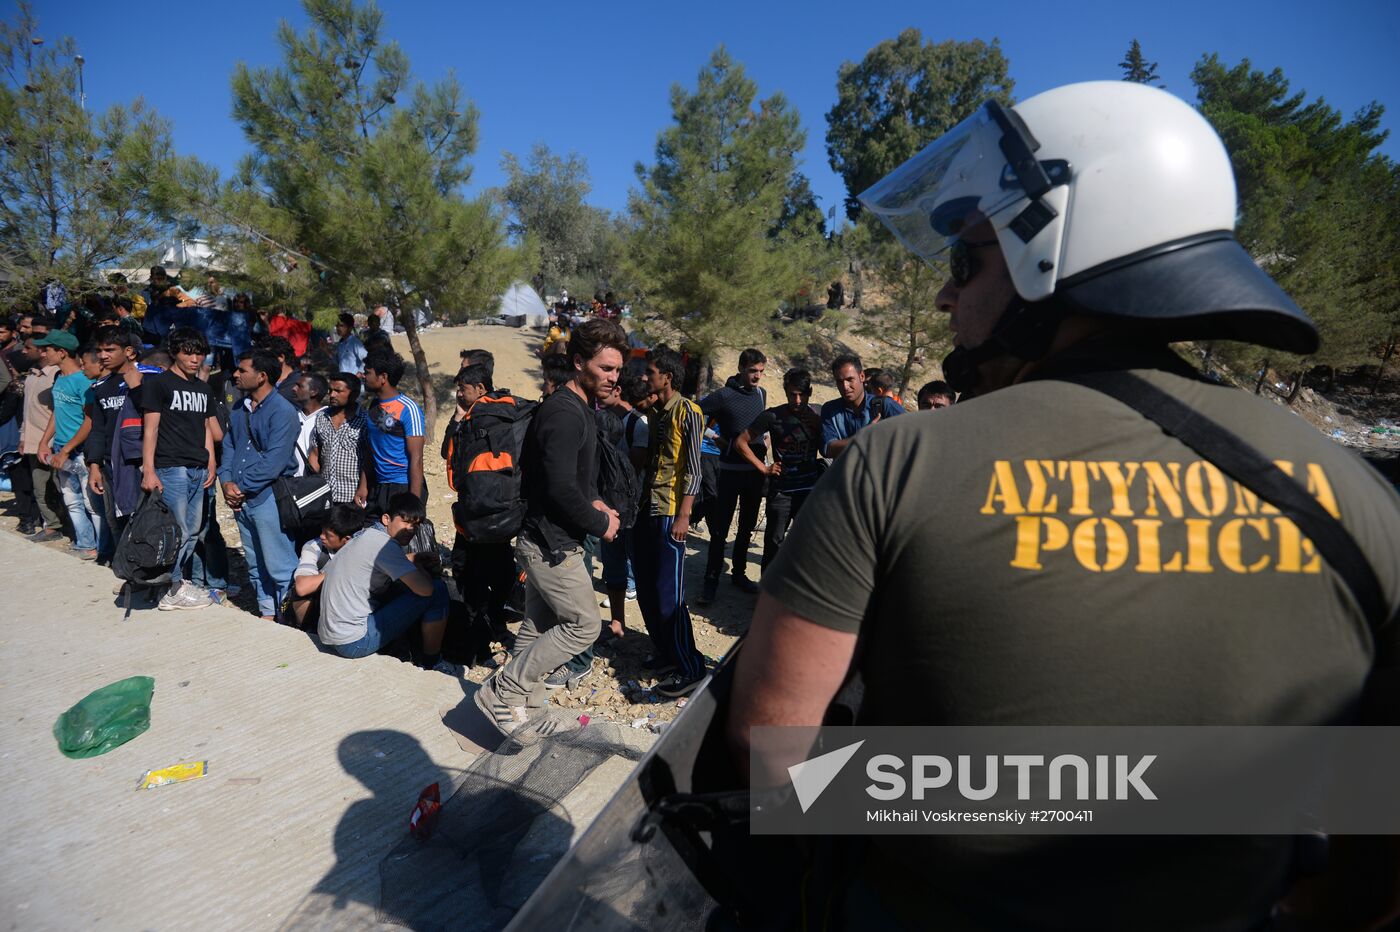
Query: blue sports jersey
{"points": [[390, 422]]}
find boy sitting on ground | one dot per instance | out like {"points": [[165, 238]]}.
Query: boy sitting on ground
{"points": [[303, 605], [374, 592]]}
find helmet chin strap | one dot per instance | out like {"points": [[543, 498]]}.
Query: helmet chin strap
{"points": [[1024, 331]]}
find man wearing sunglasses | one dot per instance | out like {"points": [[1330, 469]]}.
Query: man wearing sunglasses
{"points": [[1025, 558]]}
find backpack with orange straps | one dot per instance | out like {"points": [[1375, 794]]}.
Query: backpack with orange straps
{"points": [[483, 467]]}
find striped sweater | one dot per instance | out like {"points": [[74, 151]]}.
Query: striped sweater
{"points": [[673, 455]]}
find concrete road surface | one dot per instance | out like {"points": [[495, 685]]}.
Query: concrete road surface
{"points": [[315, 763]]}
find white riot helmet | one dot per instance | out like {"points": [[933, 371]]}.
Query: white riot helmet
{"points": [[1109, 197]]}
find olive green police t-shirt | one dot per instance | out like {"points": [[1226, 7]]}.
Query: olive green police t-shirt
{"points": [[1046, 555]]}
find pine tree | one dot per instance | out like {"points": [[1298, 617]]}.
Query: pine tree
{"points": [[901, 96], [1137, 68], [720, 239], [362, 172], [1317, 204], [903, 319], [77, 190]]}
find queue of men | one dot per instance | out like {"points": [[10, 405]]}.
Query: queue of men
{"points": [[101, 429], [125, 422]]}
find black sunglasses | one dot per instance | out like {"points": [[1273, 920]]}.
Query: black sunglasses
{"points": [[962, 267]]}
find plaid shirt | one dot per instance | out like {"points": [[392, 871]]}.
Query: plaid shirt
{"points": [[340, 453]]}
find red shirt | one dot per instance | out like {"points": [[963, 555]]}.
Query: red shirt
{"points": [[296, 332]]}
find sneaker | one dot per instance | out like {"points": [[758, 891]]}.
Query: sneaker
{"points": [[44, 535], [171, 600], [446, 666], [563, 679], [631, 595], [505, 718], [86, 555], [677, 686], [744, 584], [658, 666], [196, 598], [27, 526], [189, 597], [707, 591], [606, 603]]}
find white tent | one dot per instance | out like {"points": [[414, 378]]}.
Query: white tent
{"points": [[523, 304]]}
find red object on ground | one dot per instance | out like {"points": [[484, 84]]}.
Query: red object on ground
{"points": [[424, 817], [297, 332]]}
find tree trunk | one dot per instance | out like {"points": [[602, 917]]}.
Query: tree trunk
{"points": [[1263, 376], [908, 370], [1296, 387], [857, 283], [425, 380], [1380, 370]]}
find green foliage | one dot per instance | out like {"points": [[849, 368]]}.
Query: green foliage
{"points": [[545, 197], [902, 318], [1137, 68], [77, 190], [1318, 207], [325, 318], [722, 231], [903, 95], [353, 192]]}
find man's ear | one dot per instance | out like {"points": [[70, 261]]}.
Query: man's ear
{"points": [[384, 519]]}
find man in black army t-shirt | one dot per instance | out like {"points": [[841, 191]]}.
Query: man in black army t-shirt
{"points": [[1042, 554], [177, 452]]}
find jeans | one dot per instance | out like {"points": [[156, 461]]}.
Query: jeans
{"points": [[72, 482], [737, 488], [115, 522], [659, 561], [782, 511], [106, 537], [184, 496], [395, 617], [268, 550], [210, 564]]}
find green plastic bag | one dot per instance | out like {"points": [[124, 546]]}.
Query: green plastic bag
{"points": [[106, 718]]}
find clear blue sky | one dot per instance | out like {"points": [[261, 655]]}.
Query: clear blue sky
{"points": [[595, 77]]}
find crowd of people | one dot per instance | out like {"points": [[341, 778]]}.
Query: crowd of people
{"points": [[937, 561], [102, 414], [93, 427]]}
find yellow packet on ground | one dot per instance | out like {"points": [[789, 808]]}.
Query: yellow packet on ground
{"points": [[177, 773]]}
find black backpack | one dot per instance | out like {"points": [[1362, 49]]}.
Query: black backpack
{"points": [[618, 485], [146, 553], [483, 459]]}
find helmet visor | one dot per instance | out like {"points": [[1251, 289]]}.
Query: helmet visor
{"points": [[954, 183]]}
